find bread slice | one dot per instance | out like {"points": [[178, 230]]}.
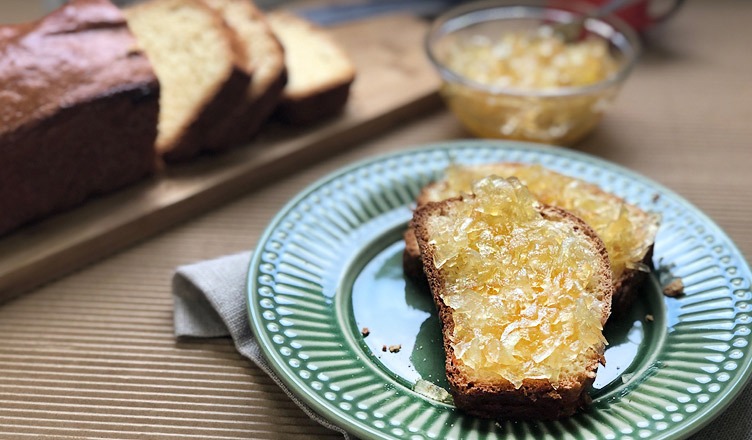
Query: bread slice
{"points": [[199, 66], [522, 291], [265, 57], [627, 231], [319, 71]]}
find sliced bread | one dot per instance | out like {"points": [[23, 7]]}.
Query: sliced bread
{"points": [[199, 64], [264, 56], [319, 71], [522, 291], [627, 231]]}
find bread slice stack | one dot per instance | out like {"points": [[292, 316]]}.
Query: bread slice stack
{"points": [[627, 231], [224, 71], [522, 291]]}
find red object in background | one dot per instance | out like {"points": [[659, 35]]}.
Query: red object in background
{"points": [[639, 14]]}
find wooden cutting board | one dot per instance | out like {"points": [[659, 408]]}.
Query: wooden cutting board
{"points": [[394, 82]]}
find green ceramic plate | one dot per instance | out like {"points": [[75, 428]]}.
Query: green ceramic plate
{"points": [[330, 264]]}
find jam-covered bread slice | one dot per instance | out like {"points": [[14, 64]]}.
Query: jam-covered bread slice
{"points": [[522, 291], [627, 231]]}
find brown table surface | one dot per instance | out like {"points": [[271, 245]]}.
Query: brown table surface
{"points": [[93, 355]]}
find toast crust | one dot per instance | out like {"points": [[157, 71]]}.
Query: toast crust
{"points": [[412, 264], [535, 399]]}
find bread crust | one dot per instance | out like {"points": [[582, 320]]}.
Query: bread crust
{"points": [[412, 264], [536, 399], [265, 90], [318, 105], [82, 118], [628, 286]]}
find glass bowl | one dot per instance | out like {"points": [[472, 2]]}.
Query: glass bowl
{"points": [[559, 115]]}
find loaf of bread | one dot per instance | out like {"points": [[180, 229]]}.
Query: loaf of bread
{"points": [[266, 58], [522, 291], [79, 106], [200, 66], [627, 231], [319, 71]]}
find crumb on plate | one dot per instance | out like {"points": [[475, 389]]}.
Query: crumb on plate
{"points": [[674, 289]]}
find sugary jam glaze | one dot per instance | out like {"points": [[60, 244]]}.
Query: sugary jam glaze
{"points": [[627, 231], [538, 60], [532, 307], [500, 72]]}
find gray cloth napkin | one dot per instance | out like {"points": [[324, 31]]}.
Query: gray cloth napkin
{"points": [[210, 302]]}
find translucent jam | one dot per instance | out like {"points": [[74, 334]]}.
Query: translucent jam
{"points": [[530, 308], [626, 230], [533, 60], [518, 63]]}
